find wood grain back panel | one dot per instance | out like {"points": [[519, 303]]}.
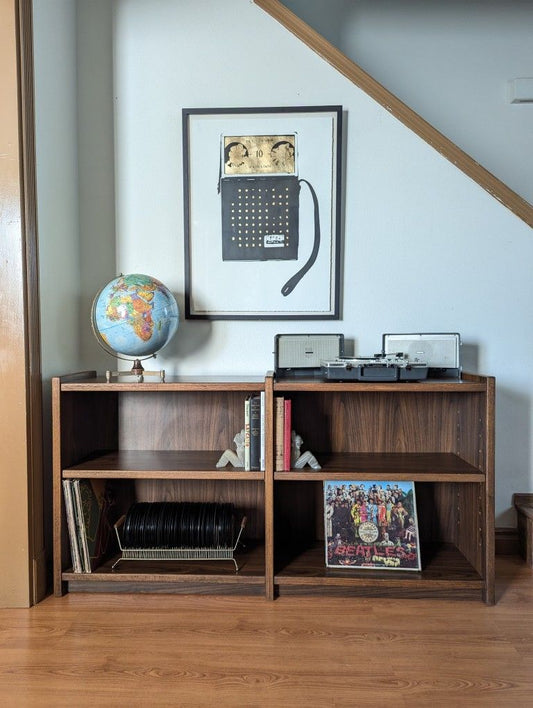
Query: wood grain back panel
{"points": [[198, 420], [388, 422]]}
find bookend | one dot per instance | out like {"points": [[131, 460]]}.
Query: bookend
{"points": [[235, 458]]}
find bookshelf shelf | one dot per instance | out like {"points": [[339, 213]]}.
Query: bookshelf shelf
{"points": [[157, 464], [138, 574], [444, 564], [161, 442], [418, 467]]}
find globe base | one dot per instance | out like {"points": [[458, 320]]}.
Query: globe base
{"points": [[136, 370]]}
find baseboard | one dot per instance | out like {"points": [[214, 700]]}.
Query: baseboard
{"points": [[506, 542]]}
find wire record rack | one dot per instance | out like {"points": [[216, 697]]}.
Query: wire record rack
{"points": [[173, 531]]}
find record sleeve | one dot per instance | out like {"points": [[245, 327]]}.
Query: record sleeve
{"points": [[371, 525]]}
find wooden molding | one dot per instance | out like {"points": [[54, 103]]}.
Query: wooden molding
{"points": [[495, 187], [14, 557], [525, 499], [22, 556], [32, 302], [507, 542]]}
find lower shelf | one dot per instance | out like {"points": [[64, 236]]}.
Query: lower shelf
{"points": [[173, 576], [445, 572]]}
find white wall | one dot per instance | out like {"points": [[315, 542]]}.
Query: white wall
{"points": [[56, 146], [73, 50], [425, 249], [96, 174], [451, 62], [55, 49]]}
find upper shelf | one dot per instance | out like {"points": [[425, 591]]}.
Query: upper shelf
{"points": [[89, 381], [157, 464], [201, 464], [395, 466], [432, 386]]}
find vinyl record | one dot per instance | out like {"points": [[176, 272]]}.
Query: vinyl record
{"points": [[179, 525]]}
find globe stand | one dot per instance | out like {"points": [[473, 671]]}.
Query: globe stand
{"points": [[136, 370]]}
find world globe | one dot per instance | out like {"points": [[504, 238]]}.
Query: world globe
{"points": [[134, 316]]}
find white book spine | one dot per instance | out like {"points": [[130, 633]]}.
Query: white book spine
{"points": [[247, 434], [71, 525], [262, 454], [80, 525]]}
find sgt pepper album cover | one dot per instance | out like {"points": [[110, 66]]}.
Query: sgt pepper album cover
{"points": [[371, 525]]}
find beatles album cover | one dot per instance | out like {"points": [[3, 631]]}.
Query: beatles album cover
{"points": [[371, 525]]}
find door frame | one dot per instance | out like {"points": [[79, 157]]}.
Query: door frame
{"points": [[22, 552]]}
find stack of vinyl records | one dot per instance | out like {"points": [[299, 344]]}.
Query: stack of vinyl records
{"points": [[179, 525]]}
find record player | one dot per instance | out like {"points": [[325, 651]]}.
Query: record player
{"points": [[380, 367]]}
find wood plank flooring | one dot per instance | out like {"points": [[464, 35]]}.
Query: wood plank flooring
{"points": [[171, 650]]}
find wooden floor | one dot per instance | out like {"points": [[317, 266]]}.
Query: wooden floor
{"points": [[142, 650]]}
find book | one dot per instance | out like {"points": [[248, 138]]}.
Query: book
{"points": [[247, 433], [262, 454], [279, 425], [255, 432], [80, 527], [91, 513], [99, 513], [71, 526], [371, 525], [287, 437]]}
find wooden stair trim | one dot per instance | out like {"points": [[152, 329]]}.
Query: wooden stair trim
{"points": [[354, 73], [523, 503]]}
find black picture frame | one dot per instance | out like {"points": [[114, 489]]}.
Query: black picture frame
{"points": [[262, 212]]}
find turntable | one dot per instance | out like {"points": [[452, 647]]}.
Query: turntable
{"points": [[380, 367]]}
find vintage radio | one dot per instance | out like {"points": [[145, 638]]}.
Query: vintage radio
{"points": [[259, 187], [302, 354], [439, 351]]}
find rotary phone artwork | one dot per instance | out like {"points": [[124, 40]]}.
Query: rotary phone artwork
{"points": [[260, 200]]}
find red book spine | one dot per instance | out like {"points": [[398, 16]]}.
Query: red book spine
{"points": [[279, 433]]}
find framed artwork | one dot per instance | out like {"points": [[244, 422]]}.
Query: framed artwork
{"points": [[262, 195], [371, 525]]}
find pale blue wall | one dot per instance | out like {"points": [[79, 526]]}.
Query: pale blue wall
{"points": [[451, 62], [424, 248]]}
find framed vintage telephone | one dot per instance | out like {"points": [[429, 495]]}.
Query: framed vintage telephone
{"points": [[262, 212]]}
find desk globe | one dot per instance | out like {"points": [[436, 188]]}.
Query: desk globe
{"points": [[133, 317]]}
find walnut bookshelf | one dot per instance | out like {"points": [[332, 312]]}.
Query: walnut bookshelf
{"points": [[161, 441]]}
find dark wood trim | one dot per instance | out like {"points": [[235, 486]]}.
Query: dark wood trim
{"points": [[353, 72], [32, 300], [523, 503], [507, 543], [269, 490], [489, 501], [28, 315], [21, 542], [522, 499]]}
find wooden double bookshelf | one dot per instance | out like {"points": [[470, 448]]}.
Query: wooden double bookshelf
{"points": [[161, 442]]}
